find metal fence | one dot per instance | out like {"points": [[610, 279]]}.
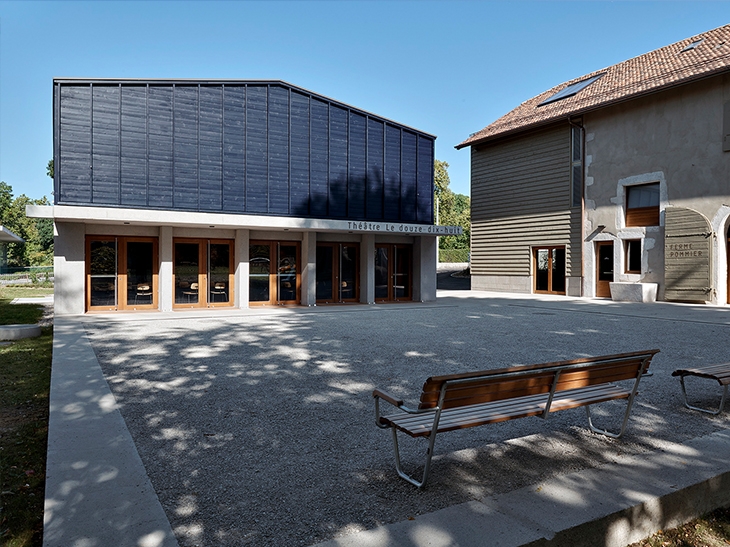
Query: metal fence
{"points": [[30, 274]]}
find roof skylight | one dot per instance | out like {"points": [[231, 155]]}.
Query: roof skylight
{"points": [[693, 45], [571, 90]]}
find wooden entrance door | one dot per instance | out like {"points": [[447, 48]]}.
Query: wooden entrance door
{"points": [[604, 268], [549, 268]]}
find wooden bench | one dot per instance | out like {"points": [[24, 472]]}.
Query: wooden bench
{"points": [[458, 401], [721, 373]]}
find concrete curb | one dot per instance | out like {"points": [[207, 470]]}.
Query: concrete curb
{"points": [[18, 332], [612, 506]]}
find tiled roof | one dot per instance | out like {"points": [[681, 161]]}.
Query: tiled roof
{"points": [[660, 69]]}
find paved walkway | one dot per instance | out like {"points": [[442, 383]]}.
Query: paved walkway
{"points": [[675, 464]]}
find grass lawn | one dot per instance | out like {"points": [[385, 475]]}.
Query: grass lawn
{"points": [[712, 530], [25, 375]]}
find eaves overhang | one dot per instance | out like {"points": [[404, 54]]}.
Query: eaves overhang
{"points": [[185, 219], [6, 236]]}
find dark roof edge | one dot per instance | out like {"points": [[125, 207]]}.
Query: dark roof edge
{"points": [[580, 112], [199, 81]]}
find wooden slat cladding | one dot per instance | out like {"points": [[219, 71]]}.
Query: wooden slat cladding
{"points": [[521, 198], [237, 147], [502, 247]]}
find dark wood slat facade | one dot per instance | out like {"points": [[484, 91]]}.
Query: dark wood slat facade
{"points": [[237, 147]]}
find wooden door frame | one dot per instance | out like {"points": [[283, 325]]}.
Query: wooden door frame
{"points": [[274, 246], [392, 252], [121, 273], [204, 271], [231, 272], [337, 247], [548, 248]]}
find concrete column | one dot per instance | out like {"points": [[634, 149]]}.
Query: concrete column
{"points": [[309, 269], [367, 269], [425, 256], [240, 254], [165, 282], [69, 268]]}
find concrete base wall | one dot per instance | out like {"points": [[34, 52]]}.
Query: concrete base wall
{"points": [[501, 283], [574, 286]]}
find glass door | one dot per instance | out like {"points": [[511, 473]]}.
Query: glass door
{"points": [[220, 273], [141, 273], [203, 273], [393, 273], [274, 275], [102, 274], [402, 272], [383, 275], [349, 258], [286, 274], [187, 275], [259, 268], [549, 268], [337, 272], [326, 277], [121, 273]]}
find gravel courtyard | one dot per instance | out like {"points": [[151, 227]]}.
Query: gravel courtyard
{"points": [[256, 427]]}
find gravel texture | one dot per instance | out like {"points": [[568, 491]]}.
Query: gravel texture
{"points": [[257, 427]]}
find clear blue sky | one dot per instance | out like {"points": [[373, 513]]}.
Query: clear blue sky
{"points": [[447, 68]]}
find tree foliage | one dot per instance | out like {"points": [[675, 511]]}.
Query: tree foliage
{"points": [[453, 209], [37, 233]]}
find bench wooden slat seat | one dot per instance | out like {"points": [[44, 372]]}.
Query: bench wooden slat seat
{"points": [[719, 372], [471, 399]]}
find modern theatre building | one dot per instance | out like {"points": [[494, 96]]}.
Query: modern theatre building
{"points": [[176, 194]]}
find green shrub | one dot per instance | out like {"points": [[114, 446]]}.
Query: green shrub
{"points": [[453, 255]]}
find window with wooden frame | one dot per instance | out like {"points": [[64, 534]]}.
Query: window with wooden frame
{"points": [[642, 205], [203, 273], [632, 252], [121, 273]]}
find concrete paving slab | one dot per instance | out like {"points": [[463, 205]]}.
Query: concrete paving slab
{"points": [[97, 490]]}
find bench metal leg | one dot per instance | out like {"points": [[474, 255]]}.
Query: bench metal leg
{"points": [[606, 432], [706, 411], [426, 467]]}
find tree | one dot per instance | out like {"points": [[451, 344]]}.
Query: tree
{"points": [[49, 168], [452, 209], [37, 233]]}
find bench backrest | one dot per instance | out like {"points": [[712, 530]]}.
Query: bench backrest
{"points": [[508, 383]]}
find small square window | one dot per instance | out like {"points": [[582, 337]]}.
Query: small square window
{"points": [[642, 205], [632, 248]]}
